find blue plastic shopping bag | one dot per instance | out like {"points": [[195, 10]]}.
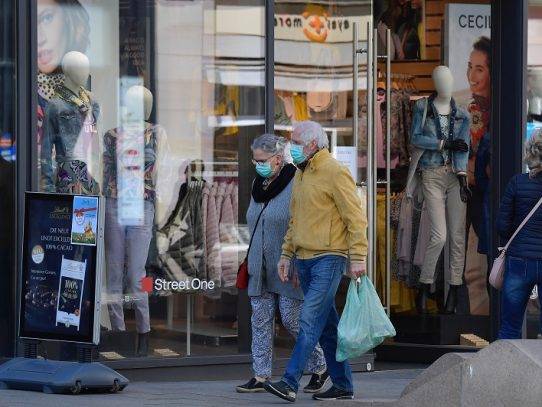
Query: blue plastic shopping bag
{"points": [[364, 323]]}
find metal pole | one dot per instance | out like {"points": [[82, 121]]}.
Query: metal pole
{"points": [[355, 103], [374, 161], [370, 185], [388, 171], [188, 325]]}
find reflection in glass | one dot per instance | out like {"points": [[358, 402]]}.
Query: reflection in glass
{"points": [[161, 126]]}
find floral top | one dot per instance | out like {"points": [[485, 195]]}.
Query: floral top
{"points": [[118, 139]]}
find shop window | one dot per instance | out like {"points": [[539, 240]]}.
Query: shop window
{"points": [[153, 105], [314, 81]]}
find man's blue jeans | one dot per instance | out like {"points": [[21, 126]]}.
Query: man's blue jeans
{"points": [[519, 280], [319, 279]]}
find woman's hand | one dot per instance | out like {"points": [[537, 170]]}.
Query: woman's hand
{"points": [[284, 269]]}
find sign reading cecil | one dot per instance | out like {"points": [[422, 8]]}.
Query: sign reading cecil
{"points": [[61, 268]]}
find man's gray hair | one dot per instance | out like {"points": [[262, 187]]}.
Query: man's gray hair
{"points": [[272, 144], [311, 131], [533, 153]]}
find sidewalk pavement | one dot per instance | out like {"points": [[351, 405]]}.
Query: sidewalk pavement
{"points": [[374, 389]]}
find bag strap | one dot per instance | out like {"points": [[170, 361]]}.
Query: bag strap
{"points": [[256, 227], [527, 218]]}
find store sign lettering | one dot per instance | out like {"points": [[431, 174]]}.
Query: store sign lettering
{"points": [[474, 21]]}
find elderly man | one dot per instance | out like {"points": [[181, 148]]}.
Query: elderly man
{"points": [[327, 231]]}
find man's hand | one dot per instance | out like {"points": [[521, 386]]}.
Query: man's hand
{"points": [[284, 269], [357, 269]]}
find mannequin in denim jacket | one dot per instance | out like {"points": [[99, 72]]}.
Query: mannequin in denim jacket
{"points": [[70, 127], [444, 166]]}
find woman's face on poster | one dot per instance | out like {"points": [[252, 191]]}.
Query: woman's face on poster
{"points": [[52, 38], [478, 73]]}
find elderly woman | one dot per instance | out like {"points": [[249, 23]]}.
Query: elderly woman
{"points": [[268, 217], [524, 256]]}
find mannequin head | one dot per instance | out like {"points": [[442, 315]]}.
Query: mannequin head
{"points": [[139, 103], [444, 81], [76, 68], [63, 26]]}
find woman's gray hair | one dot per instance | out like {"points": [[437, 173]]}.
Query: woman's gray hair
{"points": [[311, 131], [272, 144], [533, 153]]}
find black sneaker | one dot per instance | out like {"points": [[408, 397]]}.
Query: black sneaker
{"points": [[334, 394], [280, 389], [317, 383], [252, 386]]}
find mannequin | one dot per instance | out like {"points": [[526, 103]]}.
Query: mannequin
{"points": [[130, 186], [444, 138], [535, 95], [70, 127]]}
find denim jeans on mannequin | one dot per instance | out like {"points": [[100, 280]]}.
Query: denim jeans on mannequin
{"points": [[319, 279], [520, 277], [126, 251]]}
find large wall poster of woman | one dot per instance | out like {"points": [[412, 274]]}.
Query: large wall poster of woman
{"points": [[63, 26], [405, 19]]}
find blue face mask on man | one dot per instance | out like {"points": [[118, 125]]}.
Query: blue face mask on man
{"points": [[297, 153], [264, 169]]}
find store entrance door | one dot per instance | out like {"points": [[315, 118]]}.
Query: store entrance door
{"points": [[434, 289]]}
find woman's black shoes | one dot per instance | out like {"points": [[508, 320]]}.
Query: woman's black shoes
{"points": [[252, 386]]}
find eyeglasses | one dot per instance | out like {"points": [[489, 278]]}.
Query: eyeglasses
{"points": [[256, 162]]}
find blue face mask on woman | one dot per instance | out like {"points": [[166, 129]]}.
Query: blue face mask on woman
{"points": [[264, 169], [298, 155]]}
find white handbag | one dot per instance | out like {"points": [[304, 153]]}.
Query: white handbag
{"points": [[497, 271]]}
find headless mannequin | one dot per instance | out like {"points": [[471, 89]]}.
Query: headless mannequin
{"points": [[535, 99], [127, 246], [139, 103], [443, 81], [70, 126]]}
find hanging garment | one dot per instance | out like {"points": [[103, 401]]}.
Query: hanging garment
{"points": [[300, 108], [228, 234], [424, 234], [212, 237], [281, 116], [404, 238], [227, 104], [181, 239]]}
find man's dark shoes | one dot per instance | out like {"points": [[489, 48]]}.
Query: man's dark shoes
{"points": [[317, 382], [334, 394], [280, 389], [252, 386]]}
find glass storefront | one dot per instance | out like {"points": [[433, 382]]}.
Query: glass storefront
{"points": [[153, 105]]}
